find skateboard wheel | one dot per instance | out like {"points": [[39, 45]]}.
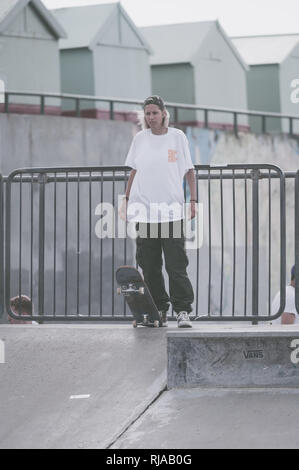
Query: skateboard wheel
{"points": [[118, 290], [134, 324], [156, 324], [141, 290]]}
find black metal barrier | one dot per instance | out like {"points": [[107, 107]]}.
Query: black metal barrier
{"points": [[176, 109], [2, 293], [297, 240], [64, 241]]}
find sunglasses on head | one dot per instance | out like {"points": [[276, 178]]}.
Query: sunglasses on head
{"points": [[154, 100]]}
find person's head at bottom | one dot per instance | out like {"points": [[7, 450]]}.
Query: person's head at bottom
{"points": [[20, 306]]}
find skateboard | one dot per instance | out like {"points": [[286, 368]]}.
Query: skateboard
{"points": [[138, 297]]}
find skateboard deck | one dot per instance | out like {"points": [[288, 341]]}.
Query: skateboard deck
{"points": [[138, 297]]}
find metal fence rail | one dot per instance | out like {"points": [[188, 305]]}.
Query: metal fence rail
{"points": [[176, 108], [239, 259], [296, 192], [67, 270], [2, 293], [57, 255]]}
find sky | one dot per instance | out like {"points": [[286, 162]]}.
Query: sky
{"points": [[237, 17]]}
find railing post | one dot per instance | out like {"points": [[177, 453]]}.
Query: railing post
{"points": [[297, 240], [291, 126], [111, 107], [2, 291], [263, 124], [41, 244], [77, 107], [176, 115], [7, 272], [42, 104], [236, 124], [206, 119], [6, 102], [255, 244]]}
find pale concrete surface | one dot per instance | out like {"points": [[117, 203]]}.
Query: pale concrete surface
{"points": [[123, 371], [49, 141], [121, 368], [234, 356], [217, 418]]}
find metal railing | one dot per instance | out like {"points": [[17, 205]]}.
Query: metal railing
{"points": [[56, 252], [176, 107], [2, 293], [296, 192]]}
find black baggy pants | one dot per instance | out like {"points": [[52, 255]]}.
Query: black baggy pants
{"points": [[149, 258]]}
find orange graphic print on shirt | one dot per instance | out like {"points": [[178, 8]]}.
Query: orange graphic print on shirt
{"points": [[172, 156]]}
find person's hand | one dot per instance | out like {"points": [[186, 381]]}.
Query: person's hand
{"points": [[123, 210], [192, 210]]}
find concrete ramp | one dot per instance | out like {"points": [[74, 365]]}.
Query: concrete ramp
{"points": [[254, 356], [76, 386]]}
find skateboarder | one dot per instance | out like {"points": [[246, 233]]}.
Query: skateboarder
{"points": [[160, 157]]}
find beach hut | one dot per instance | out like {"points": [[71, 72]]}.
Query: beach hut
{"points": [[196, 63], [104, 55], [29, 54], [273, 68]]}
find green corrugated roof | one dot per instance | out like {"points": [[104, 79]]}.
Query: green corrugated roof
{"points": [[83, 23], [176, 43]]}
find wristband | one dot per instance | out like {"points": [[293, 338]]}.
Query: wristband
{"points": [[193, 200]]}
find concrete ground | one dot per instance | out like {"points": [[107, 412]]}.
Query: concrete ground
{"points": [[217, 418], [121, 369], [104, 386]]}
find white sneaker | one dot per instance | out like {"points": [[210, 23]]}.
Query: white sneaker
{"points": [[183, 320]]}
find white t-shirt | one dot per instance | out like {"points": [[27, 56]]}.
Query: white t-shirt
{"points": [[290, 306], [161, 162]]}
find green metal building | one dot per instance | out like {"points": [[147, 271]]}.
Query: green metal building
{"points": [[273, 65], [29, 52], [104, 55], [196, 63]]}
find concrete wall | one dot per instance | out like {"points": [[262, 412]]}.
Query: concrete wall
{"points": [[247, 357], [220, 79], [28, 141]]}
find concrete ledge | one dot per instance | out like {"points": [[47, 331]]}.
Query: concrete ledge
{"points": [[236, 357]]}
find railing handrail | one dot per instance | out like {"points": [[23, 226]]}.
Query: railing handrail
{"points": [[39, 175], [120, 177], [193, 107]]}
